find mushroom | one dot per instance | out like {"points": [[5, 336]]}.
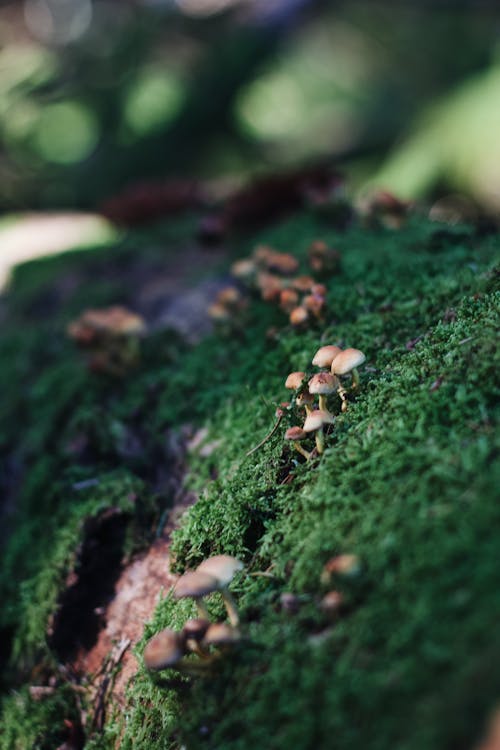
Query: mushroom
{"points": [[194, 631], [346, 566], [222, 569], [296, 434], [244, 269], [323, 383], [298, 316], [220, 634], [165, 649], [315, 304], [347, 361], [303, 283], [314, 423], [195, 585], [289, 299], [325, 356], [282, 263], [331, 603], [295, 381]]}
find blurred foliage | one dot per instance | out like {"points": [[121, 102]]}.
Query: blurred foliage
{"points": [[122, 91]]}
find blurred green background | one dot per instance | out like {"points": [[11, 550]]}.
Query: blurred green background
{"points": [[97, 94]]}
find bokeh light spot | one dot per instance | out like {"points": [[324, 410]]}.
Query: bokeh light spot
{"points": [[153, 98], [67, 132]]}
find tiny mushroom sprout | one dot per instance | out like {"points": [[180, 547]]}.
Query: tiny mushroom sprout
{"points": [[195, 585], [296, 434], [315, 422], [348, 361], [325, 356], [222, 568], [323, 384]]}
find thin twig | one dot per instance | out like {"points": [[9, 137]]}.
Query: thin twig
{"points": [[268, 436]]}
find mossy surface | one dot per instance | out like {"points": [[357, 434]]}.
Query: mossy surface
{"points": [[408, 483]]}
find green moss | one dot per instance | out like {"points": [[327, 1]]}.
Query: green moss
{"points": [[408, 482]]}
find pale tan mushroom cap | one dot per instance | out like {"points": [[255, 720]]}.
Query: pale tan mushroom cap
{"points": [[323, 383], [163, 650], [195, 584], [116, 319], [316, 419], [220, 567], [294, 380], [325, 356], [347, 361], [221, 634], [298, 315], [295, 433]]}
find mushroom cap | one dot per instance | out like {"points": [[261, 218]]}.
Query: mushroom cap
{"points": [[319, 289], [325, 356], [322, 382], [218, 311], [332, 602], [195, 628], [229, 295], [304, 398], [288, 299], [282, 263], [116, 319], [221, 634], [195, 583], [294, 380], [295, 433], [342, 565], [347, 361], [220, 567], [316, 419], [298, 315], [243, 269], [163, 650], [303, 283], [314, 304]]}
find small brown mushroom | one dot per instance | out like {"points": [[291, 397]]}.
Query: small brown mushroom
{"points": [[296, 434], [221, 635], [299, 316], [165, 649], [289, 299], [315, 422], [193, 632], [348, 361], [331, 603], [195, 585], [295, 380], [323, 384], [222, 568], [346, 565], [325, 356]]}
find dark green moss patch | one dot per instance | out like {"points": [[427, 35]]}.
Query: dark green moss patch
{"points": [[408, 483]]}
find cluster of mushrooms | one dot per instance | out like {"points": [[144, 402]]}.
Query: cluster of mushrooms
{"points": [[334, 363], [275, 276], [110, 337], [199, 636]]}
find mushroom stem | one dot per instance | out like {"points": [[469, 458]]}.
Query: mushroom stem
{"points": [[194, 668], [320, 440], [342, 394], [202, 610], [301, 450], [322, 402], [197, 649], [308, 409], [230, 604], [355, 378]]}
